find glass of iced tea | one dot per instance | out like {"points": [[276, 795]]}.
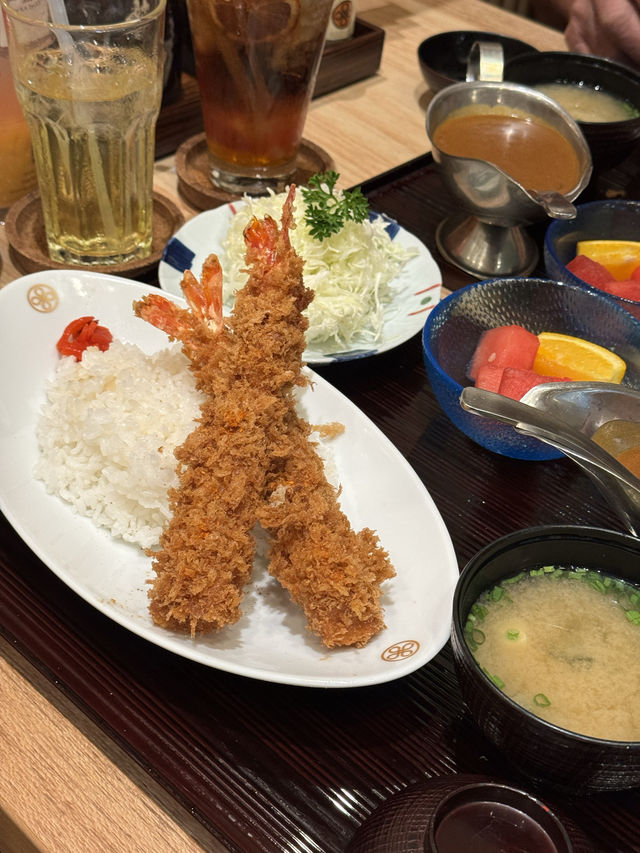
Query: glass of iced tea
{"points": [[88, 74], [256, 64]]}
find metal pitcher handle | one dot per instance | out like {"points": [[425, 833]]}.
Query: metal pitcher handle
{"points": [[485, 61]]}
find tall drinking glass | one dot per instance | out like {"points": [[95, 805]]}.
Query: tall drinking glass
{"points": [[256, 64], [17, 170], [88, 74]]}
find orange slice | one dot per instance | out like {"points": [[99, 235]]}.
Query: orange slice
{"points": [[620, 257], [256, 20], [575, 358]]}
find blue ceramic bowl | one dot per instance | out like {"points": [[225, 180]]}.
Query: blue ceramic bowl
{"points": [[596, 220], [454, 326]]}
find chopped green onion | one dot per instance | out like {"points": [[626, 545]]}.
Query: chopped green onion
{"points": [[495, 679], [597, 584], [514, 579], [478, 636], [479, 611], [496, 593], [548, 569], [541, 700], [513, 634], [633, 616]]}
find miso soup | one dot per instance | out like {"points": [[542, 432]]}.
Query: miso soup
{"points": [[586, 103], [565, 644]]}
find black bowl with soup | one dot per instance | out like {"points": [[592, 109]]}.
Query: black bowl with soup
{"points": [[544, 632], [603, 96]]}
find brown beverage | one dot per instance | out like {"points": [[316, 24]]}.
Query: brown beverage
{"points": [[256, 63]]}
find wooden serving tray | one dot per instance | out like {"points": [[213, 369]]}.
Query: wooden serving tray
{"points": [[349, 60], [272, 768]]}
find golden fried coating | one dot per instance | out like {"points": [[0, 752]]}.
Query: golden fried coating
{"points": [[250, 459], [333, 573], [245, 369]]}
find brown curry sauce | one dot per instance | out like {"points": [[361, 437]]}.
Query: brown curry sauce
{"points": [[528, 149]]}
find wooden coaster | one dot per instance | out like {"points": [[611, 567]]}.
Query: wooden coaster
{"points": [[28, 245], [194, 183]]}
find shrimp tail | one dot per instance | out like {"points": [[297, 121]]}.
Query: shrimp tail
{"points": [[267, 244], [165, 315], [204, 296]]}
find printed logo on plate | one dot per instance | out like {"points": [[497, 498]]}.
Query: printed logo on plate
{"points": [[400, 651], [42, 298]]}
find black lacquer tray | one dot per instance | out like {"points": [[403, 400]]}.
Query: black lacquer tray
{"points": [[268, 767]]}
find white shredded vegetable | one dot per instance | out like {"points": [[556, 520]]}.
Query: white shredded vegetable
{"points": [[351, 273]]}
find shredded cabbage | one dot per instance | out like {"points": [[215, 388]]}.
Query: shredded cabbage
{"points": [[350, 272]]}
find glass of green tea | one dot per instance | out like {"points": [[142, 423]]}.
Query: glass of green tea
{"points": [[89, 79], [256, 65]]}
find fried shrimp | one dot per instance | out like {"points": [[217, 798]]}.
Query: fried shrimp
{"points": [[250, 459], [244, 367], [330, 571], [333, 573]]}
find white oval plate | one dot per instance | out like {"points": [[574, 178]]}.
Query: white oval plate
{"points": [[270, 642], [416, 289]]}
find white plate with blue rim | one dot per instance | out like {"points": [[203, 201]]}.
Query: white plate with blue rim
{"points": [[415, 291]]}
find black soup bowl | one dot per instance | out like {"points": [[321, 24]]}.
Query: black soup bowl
{"points": [[547, 755], [443, 56], [609, 142]]}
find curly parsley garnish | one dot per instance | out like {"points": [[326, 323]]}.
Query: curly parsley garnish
{"points": [[328, 210]]}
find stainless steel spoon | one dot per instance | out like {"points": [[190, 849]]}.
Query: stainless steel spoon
{"points": [[620, 486]]}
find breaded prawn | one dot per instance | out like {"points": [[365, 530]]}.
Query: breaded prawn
{"points": [[243, 366], [250, 459]]}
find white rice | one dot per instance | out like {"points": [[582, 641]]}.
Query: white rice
{"points": [[107, 435]]}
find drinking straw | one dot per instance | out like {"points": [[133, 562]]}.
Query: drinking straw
{"points": [[59, 17]]}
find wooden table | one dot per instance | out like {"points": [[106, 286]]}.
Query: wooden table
{"points": [[378, 123], [65, 784]]}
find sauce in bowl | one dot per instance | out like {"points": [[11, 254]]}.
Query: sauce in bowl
{"points": [[528, 149], [621, 439]]}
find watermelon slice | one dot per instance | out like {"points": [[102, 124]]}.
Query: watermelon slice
{"points": [[627, 289], [516, 382], [489, 377], [504, 346], [590, 271]]}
